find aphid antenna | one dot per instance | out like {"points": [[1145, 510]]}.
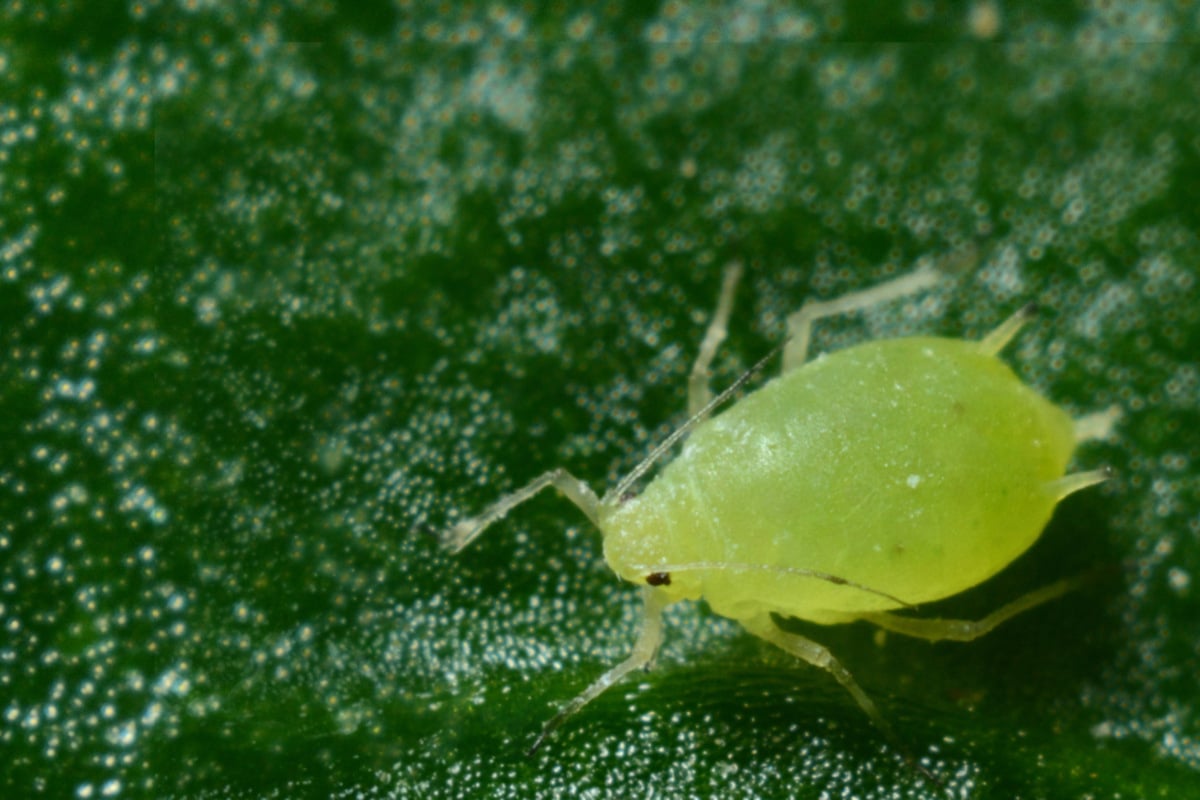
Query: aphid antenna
{"points": [[665, 446], [695, 566], [925, 275]]}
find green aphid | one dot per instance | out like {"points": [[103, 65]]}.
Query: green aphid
{"points": [[886, 475]]}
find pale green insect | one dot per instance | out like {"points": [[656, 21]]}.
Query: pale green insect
{"points": [[885, 475]]}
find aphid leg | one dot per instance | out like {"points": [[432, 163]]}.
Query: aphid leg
{"points": [[1097, 425], [994, 342], [962, 630], [465, 531], [799, 324], [699, 392], [644, 651], [819, 656]]}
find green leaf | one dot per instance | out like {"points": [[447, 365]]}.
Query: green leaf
{"points": [[287, 286]]}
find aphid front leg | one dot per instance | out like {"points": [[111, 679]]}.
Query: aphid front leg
{"points": [[699, 392], [644, 651], [465, 531], [799, 324]]}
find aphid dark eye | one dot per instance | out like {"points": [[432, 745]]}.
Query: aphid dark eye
{"points": [[659, 579], [626, 496]]}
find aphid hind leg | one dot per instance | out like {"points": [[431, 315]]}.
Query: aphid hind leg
{"points": [[465, 531], [644, 651], [961, 630], [799, 324], [699, 393]]}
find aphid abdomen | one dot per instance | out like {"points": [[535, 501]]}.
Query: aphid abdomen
{"points": [[918, 467]]}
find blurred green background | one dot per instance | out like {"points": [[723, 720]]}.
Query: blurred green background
{"points": [[283, 284]]}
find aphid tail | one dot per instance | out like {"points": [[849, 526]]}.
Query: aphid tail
{"points": [[1069, 484], [995, 341]]}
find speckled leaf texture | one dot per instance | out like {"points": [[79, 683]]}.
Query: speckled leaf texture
{"points": [[285, 286]]}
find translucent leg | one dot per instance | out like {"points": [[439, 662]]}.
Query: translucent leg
{"points": [[819, 656], [799, 324], [643, 654], [960, 630], [699, 392], [467, 530]]}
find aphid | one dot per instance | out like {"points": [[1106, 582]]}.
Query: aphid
{"points": [[886, 475]]}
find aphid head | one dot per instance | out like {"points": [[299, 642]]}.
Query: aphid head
{"points": [[636, 539]]}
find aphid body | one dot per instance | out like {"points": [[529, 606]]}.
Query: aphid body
{"points": [[918, 467], [886, 475]]}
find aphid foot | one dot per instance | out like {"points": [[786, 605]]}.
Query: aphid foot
{"points": [[1097, 425], [643, 655], [460, 534]]}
